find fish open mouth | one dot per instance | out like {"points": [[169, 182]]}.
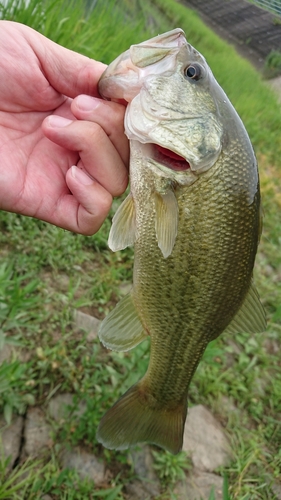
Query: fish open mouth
{"points": [[170, 159]]}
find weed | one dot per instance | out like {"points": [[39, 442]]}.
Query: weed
{"points": [[34, 479], [15, 391], [272, 65], [67, 485], [18, 298], [20, 479], [171, 468]]}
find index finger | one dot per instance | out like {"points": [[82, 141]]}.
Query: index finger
{"points": [[109, 115], [68, 72]]}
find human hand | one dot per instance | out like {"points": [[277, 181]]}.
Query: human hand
{"points": [[45, 129]]}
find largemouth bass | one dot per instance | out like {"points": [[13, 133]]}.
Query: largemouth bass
{"points": [[193, 216]]}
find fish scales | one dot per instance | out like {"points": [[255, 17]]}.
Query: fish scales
{"points": [[206, 284], [193, 216]]}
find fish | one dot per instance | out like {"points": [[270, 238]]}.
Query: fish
{"points": [[193, 215]]}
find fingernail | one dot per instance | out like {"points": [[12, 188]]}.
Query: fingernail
{"points": [[58, 121], [87, 103], [80, 176]]}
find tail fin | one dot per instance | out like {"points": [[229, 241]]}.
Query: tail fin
{"points": [[132, 420]]}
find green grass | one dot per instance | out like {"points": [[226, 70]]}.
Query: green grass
{"points": [[98, 29], [34, 479], [46, 273], [272, 65], [171, 468]]}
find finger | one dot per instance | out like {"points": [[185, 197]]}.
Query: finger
{"points": [[109, 115], [68, 72], [86, 208], [99, 156]]}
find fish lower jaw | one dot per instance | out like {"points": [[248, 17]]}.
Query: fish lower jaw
{"points": [[182, 177], [162, 162], [170, 159]]}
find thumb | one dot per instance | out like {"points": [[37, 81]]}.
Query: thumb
{"points": [[68, 72]]}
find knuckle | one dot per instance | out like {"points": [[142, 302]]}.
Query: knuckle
{"points": [[117, 112], [121, 184], [91, 222], [97, 132]]}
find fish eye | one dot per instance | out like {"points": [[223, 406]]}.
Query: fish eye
{"points": [[193, 72]]}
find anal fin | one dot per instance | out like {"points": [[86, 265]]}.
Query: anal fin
{"points": [[122, 330]]}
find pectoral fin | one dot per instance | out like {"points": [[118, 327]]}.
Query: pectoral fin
{"points": [[250, 317], [122, 330], [166, 221], [123, 229]]}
